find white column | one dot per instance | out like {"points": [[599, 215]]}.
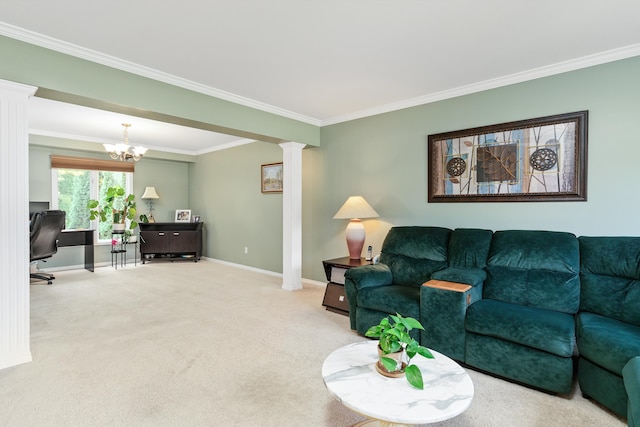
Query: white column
{"points": [[14, 223], [292, 215]]}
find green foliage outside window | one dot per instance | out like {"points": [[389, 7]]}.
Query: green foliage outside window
{"points": [[105, 181], [74, 192]]}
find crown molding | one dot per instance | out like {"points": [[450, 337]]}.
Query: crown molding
{"points": [[41, 40], [110, 61], [536, 73], [100, 141], [231, 144]]}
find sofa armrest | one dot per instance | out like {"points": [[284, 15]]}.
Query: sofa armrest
{"points": [[631, 376], [469, 276], [368, 276], [443, 309]]}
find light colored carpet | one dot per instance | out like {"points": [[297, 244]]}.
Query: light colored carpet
{"points": [[208, 344]]}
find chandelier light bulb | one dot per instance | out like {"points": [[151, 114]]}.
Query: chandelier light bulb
{"points": [[123, 151]]}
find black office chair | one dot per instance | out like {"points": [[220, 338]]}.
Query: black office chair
{"points": [[45, 228]]}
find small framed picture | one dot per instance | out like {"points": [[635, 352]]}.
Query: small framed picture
{"points": [[271, 181], [196, 218], [183, 215]]}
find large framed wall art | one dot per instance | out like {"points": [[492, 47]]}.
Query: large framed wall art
{"points": [[542, 159]]}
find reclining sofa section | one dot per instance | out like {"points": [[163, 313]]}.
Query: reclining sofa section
{"points": [[409, 255], [516, 301], [608, 325], [523, 326], [518, 322]]}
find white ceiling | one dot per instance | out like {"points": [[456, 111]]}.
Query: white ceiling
{"points": [[59, 119], [319, 61]]}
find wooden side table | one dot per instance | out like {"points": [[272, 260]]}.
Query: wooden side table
{"points": [[335, 298]]}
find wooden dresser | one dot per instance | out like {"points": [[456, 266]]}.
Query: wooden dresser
{"points": [[171, 239]]}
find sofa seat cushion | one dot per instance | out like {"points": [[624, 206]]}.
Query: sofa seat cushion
{"points": [[607, 342], [391, 299], [550, 331]]}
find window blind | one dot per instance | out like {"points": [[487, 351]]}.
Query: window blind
{"points": [[68, 162]]}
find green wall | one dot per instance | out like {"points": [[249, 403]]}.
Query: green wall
{"points": [[70, 79], [384, 159], [225, 192]]}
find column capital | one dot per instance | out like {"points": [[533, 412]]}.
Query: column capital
{"points": [[19, 88], [290, 145]]}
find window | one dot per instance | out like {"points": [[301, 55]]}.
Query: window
{"points": [[73, 188]]}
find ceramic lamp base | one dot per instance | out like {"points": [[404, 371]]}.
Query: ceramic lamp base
{"points": [[355, 238]]}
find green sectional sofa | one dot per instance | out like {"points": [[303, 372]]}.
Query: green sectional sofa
{"points": [[520, 304]]}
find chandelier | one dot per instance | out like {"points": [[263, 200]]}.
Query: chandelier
{"points": [[124, 151]]}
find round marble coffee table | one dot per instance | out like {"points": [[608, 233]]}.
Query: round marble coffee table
{"points": [[350, 376]]}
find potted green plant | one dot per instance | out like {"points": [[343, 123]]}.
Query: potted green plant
{"points": [[116, 208], [394, 342]]}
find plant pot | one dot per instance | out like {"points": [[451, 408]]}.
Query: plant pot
{"points": [[398, 357], [117, 227]]}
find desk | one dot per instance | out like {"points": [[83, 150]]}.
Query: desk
{"points": [[80, 237], [350, 375]]}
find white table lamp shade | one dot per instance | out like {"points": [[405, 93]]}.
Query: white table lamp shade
{"points": [[355, 208], [150, 193]]}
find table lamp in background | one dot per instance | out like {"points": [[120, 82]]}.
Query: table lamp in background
{"points": [[355, 208], [150, 195]]}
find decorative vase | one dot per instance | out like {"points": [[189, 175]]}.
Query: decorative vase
{"points": [[398, 357]]}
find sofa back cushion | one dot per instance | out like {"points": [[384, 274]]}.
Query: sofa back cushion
{"points": [[414, 253], [469, 247], [610, 277], [534, 268]]}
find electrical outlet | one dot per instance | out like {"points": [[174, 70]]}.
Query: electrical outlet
{"points": [[246, 250]]}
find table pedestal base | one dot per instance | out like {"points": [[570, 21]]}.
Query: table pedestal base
{"points": [[378, 423]]}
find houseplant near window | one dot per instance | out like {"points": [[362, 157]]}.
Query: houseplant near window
{"points": [[394, 338], [116, 208]]}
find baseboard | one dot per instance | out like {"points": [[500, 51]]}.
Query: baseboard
{"points": [[260, 270], [232, 264]]}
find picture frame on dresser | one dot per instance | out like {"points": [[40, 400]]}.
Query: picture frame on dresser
{"points": [[183, 215]]}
